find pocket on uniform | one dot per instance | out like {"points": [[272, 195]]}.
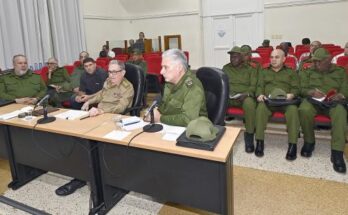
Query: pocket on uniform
{"points": [[35, 85]]}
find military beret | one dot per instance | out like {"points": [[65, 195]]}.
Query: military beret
{"points": [[277, 93], [320, 54], [201, 129], [235, 49]]}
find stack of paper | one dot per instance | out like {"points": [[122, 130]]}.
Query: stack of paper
{"points": [[72, 114], [15, 113], [172, 133]]}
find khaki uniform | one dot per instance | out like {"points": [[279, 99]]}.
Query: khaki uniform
{"points": [[336, 78], [114, 98], [29, 85], [287, 80], [243, 80], [183, 102], [59, 77]]}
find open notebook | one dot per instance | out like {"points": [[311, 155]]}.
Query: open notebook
{"points": [[72, 114]]}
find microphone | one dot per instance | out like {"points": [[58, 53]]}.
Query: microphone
{"points": [[152, 127], [153, 105], [42, 100]]}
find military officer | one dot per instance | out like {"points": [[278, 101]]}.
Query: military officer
{"points": [[183, 97], [277, 76], [116, 95], [58, 82], [137, 59], [242, 83], [21, 84], [248, 54], [317, 82]]}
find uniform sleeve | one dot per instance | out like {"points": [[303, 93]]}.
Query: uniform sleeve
{"points": [[66, 86], [121, 106], [193, 101], [96, 97], [344, 85], [260, 86], [75, 78], [144, 66], [295, 83], [253, 82], [43, 89], [304, 83], [3, 94]]}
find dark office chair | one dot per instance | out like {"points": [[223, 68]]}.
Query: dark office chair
{"points": [[135, 75], [215, 84]]}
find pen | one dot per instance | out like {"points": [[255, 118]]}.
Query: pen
{"points": [[131, 123], [85, 117]]}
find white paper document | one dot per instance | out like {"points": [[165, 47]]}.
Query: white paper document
{"points": [[72, 114], [171, 133], [15, 113], [117, 135]]}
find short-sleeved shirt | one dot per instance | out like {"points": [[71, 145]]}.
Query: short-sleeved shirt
{"points": [[92, 83], [183, 102], [13, 86]]}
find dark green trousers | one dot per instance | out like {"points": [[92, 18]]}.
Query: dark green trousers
{"points": [[338, 115], [249, 107], [263, 113]]}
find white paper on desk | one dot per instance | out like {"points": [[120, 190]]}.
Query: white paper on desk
{"points": [[117, 135], [72, 114], [171, 133], [134, 126], [15, 113]]}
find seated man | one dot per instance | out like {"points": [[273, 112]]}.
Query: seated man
{"points": [[77, 73], [116, 95], [92, 80], [242, 81], [183, 97], [279, 77], [58, 83], [21, 84], [137, 59], [317, 82]]}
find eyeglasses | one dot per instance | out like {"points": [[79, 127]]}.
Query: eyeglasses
{"points": [[114, 72]]}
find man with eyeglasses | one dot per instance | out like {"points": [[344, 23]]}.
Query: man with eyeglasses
{"points": [[91, 81], [58, 83], [116, 95], [21, 84]]}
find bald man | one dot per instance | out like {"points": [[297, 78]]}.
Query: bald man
{"points": [[277, 77]]}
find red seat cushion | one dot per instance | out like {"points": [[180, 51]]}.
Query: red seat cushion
{"points": [[322, 119], [235, 111], [278, 115]]}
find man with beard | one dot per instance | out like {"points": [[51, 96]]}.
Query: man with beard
{"points": [[21, 84]]}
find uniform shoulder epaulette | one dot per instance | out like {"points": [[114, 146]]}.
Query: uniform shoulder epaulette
{"points": [[189, 82]]}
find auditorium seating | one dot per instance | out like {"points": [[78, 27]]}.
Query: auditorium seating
{"points": [[121, 57]]}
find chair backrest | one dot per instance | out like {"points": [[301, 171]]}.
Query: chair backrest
{"points": [[135, 75], [342, 61], [69, 68], [215, 84]]}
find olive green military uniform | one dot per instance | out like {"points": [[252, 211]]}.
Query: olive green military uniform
{"points": [[287, 80], [76, 76], [13, 86], [59, 77], [114, 98], [183, 102], [140, 63], [312, 79], [243, 80]]}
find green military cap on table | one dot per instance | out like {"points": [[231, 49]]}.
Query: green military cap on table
{"points": [[320, 54], [235, 49], [277, 93], [201, 129]]}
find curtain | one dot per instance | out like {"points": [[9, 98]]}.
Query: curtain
{"points": [[40, 29]]}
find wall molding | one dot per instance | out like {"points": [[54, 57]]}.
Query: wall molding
{"points": [[300, 3], [154, 16]]}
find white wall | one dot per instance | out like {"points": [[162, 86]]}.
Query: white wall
{"points": [[292, 20], [124, 19]]}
